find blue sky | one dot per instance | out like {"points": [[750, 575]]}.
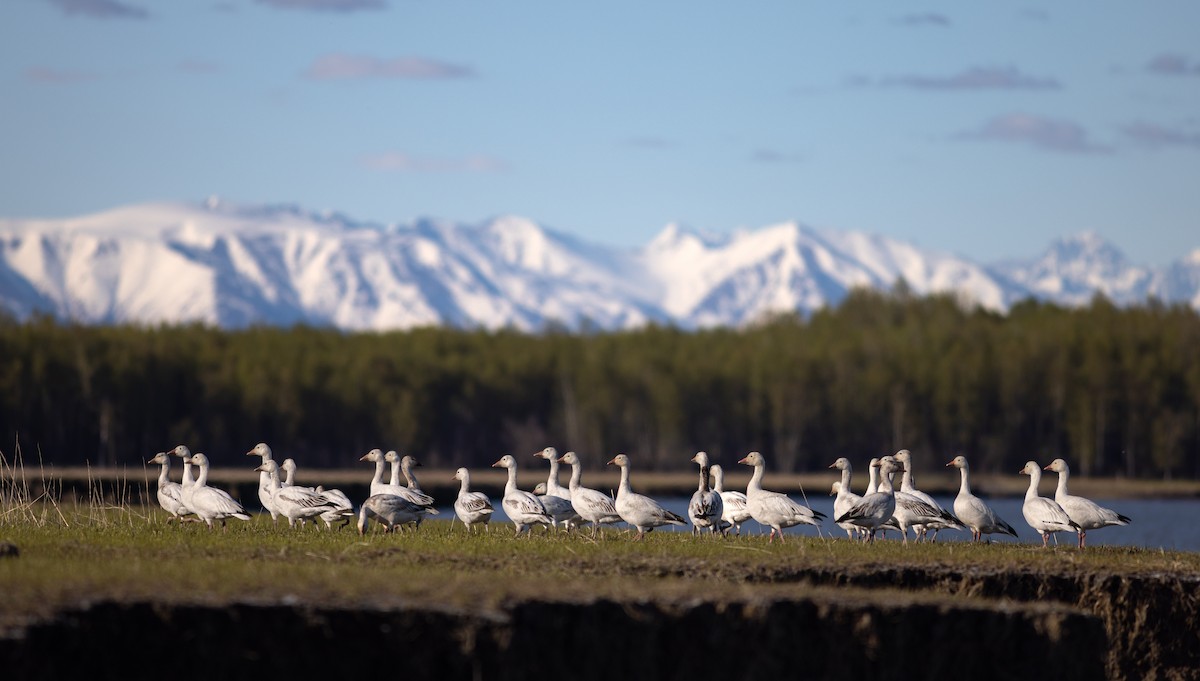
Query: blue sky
{"points": [[984, 129]]}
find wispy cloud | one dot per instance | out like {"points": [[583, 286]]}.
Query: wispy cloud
{"points": [[325, 5], [101, 9], [1049, 134], [198, 66], [774, 156], [397, 161], [649, 143], [1157, 136], [340, 66], [978, 78], [1173, 64], [43, 74], [923, 19]]}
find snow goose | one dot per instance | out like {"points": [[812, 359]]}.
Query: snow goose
{"points": [[774, 509], [185, 454], [391, 511], [706, 506], [593, 506], [210, 503], [393, 458], [472, 508], [912, 511], [294, 503], [170, 494], [733, 502], [639, 510], [263, 451], [845, 498], [1086, 513], [556, 498], [523, 508], [908, 487], [379, 487], [970, 509], [1042, 514], [876, 508], [342, 510]]}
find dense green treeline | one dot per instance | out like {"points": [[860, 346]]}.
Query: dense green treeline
{"points": [[1115, 390]]}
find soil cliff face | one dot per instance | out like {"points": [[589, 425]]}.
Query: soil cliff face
{"points": [[854, 623]]}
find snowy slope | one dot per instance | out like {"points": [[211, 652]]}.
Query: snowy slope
{"points": [[234, 265]]}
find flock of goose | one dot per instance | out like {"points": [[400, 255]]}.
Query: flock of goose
{"points": [[712, 508]]}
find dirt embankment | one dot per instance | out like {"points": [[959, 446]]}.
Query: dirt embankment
{"points": [[866, 622]]}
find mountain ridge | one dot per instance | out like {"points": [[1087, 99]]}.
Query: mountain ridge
{"points": [[234, 265]]}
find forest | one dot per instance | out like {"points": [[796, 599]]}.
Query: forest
{"points": [[1116, 390]]}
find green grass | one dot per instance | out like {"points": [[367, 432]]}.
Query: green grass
{"points": [[86, 553]]}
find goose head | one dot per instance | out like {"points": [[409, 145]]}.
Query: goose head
{"points": [[841, 464], [753, 459], [199, 459], [570, 458], [462, 474], [701, 459], [549, 454], [287, 466], [619, 460], [1058, 466], [1031, 468], [959, 461], [540, 489], [260, 449], [161, 457], [182, 452], [506, 461], [373, 456]]}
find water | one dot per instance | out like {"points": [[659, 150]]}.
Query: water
{"points": [[1169, 524]]}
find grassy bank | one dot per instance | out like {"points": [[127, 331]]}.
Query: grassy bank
{"points": [[82, 554]]}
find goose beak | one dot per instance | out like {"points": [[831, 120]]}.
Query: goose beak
{"points": [[497, 464], [560, 459], [364, 457], [832, 465], [949, 464], [251, 453], [743, 460], [612, 462]]}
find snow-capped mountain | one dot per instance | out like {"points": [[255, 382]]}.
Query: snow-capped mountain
{"points": [[233, 265]]}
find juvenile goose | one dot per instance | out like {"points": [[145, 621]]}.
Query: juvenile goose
{"points": [[170, 494], [774, 509], [1086, 513], [592, 505], [523, 508], [390, 510], [1042, 514], [210, 503], [733, 502], [706, 507], [970, 509], [472, 508], [638, 510]]}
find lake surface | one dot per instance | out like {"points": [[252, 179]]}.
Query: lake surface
{"points": [[1172, 524]]}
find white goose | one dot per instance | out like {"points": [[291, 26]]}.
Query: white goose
{"points": [[472, 508], [391, 511], [1042, 514], [908, 487], [342, 510], [970, 509], [523, 508], [294, 503], [593, 506], [639, 510], [170, 494], [774, 509], [393, 458], [846, 499], [706, 506], [912, 511], [379, 487], [210, 503], [733, 502], [1086, 513], [263, 451], [875, 508], [556, 498]]}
